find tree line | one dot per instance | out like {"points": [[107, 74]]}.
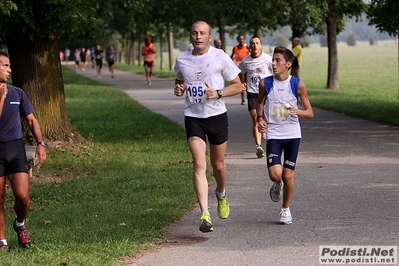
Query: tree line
{"points": [[32, 31]]}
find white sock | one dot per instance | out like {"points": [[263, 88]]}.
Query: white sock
{"points": [[19, 224], [285, 209], [221, 195], [4, 241]]}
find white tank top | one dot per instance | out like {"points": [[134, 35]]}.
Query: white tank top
{"points": [[279, 96]]}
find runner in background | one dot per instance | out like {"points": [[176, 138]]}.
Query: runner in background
{"points": [[240, 51], [148, 51]]}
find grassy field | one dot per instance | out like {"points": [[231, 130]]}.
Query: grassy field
{"points": [[368, 78]]}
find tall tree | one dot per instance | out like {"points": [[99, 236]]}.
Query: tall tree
{"points": [[31, 33], [323, 17], [334, 13], [384, 14]]}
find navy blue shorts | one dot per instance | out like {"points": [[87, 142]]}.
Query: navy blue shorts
{"points": [[13, 157], [275, 147], [215, 127]]}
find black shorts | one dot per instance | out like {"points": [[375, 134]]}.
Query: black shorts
{"points": [[274, 148], [149, 64], [215, 127], [99, 63], [13, 157], [111, 62], [252, 100]]}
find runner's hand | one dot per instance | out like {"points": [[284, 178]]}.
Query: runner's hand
{"points": [[179, 90], [3, 90], [210, 92]]}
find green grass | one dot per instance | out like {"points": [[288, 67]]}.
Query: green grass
{"points": [[112, 196], [368, 78]]}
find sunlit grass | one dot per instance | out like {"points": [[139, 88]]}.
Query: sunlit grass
{"points": [[368, 78], [97, 202]]}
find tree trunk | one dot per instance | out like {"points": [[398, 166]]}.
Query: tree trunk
{"points": [[170, 48], [160, 33], [139, 55], [296, 33], [295, 7], [332, 74], [129, 51], [222, 32], [36, 68], [258, 32]]}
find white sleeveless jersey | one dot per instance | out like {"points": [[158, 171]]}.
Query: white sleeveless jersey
{"points": [[256, 69], [279, 96], [212, 68]]}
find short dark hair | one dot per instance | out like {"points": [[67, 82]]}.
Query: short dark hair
{"points": [[255, 37], [239, 35], [287, 54], [4, 54]]}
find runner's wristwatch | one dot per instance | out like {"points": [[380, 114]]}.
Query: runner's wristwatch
{"points": [[220, 93], [43, 143]]}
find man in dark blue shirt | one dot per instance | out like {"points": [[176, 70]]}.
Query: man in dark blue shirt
{"points": [[14, 104]]}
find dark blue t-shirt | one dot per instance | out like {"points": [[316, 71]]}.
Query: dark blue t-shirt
{"points": [[16, 105]]}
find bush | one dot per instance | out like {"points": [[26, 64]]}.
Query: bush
{"points": [[279, 40], [373, 41], [351, 39]]}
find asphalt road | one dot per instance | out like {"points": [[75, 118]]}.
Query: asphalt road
{"points": [[346, 193]]}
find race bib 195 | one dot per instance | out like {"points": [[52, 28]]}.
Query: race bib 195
{"points": [[196, 93]]}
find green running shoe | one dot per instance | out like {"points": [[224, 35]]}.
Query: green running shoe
{"points": [[205, 223], [223, 207]]}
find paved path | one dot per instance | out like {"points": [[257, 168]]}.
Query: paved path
{"points": [[346, 192]]}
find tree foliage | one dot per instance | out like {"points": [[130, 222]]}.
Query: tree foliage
{"points": [[31, 30], [48, 18], [384, 14], [6, 7]]}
